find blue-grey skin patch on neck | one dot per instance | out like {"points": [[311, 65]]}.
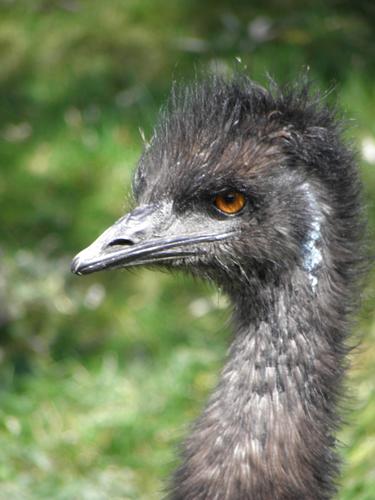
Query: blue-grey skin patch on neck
{"points": [[312, 255]]}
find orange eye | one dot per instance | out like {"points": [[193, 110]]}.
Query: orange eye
{"points": [[230, 203]]}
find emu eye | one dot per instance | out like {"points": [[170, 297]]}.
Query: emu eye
{"points": [[230, 203]]}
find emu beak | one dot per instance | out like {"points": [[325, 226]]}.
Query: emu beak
{"points": [[147, 235]]}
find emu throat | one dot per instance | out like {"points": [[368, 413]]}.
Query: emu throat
{"points": [[263, 433]]}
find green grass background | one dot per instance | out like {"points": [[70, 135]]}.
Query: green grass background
{"points": [[99, 376]]}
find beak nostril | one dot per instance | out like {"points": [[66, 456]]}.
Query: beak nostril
{"points": [[120, 242]]}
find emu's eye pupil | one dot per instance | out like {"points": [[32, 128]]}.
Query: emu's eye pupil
{"points": [[230, 198], [230, 203]]}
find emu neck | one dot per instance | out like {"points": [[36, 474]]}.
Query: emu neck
{"points": [[266, 432]]}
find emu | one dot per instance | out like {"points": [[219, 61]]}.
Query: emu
{"points": [[255, 190]]}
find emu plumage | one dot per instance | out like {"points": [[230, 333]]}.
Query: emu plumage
{"points": [[289, 259]]}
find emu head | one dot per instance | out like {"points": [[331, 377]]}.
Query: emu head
{"points": [[230, 187]]}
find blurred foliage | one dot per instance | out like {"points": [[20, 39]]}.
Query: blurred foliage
{"points": [[100, 375]]}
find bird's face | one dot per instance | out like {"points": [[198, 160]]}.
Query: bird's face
{"points": [[224, 216], [221, 190]]}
